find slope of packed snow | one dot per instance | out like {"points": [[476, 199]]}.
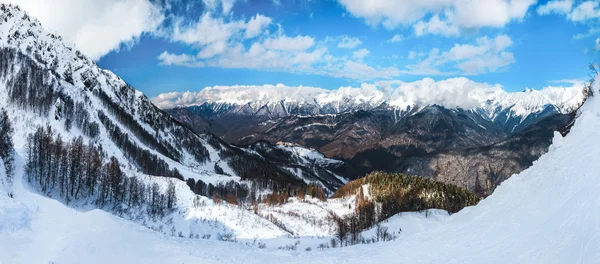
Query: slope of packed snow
{"points": [[38, 229]]}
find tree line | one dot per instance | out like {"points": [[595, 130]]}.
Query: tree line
{"points": [[148, 162], [28, 87], [390, 194], [249, 193], [74, 171], [6, 144], [127, 119]]}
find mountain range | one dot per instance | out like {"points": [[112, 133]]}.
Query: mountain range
{"points": [[475, 138]]}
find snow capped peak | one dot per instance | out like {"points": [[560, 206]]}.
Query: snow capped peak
{"points": [[21, 31], [450, 93], [242, 94]]}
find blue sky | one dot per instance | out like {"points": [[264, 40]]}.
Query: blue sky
{"points": [[177, 45]]}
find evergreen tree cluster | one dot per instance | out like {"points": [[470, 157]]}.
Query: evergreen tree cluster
{"points": [[28, 87], [235, 191], [126, 119], [75, 171], [145, 160], [32, 87], [264, 174], [158, 120], [391, 194], [249, 193], [76, 113], [6, 144]]}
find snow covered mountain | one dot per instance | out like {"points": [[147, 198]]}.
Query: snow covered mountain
{"points": [[414, 128], [47, 83], [279, 100], [418, 128]]}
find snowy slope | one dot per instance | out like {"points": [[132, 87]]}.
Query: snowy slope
{"points": [[27, 50], [546, 214], [70, 75]]}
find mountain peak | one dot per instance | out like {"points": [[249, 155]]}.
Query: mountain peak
{"points": [[280, 100]]}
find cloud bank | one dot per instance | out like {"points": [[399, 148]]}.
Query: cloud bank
{"points": [[442, 17], [451, 93], [95, 27]]}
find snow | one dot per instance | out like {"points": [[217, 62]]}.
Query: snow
{"points": [[450, 93], [308, 155], [546, 214]]}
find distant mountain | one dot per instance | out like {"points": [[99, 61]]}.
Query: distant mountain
{"points": [[372, 131]]}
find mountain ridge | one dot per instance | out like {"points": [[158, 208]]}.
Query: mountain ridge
{"points": [[280, 100], [58, 86]]}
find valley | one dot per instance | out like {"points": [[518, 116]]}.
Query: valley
{"points": [[92, 170], [485, 145]]}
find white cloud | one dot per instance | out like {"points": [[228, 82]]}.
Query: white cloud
{"points": [[213, 35], [212, 49], [486, 55], [213, 5], [490, 13], [584, 11], [289, 43], [206, 30], [591, 32], [396, 38], [362, 71], [167, 58], [361, 53], [598, 44], [436, 26], [98, 27], [555, 7], [256, 25], [236, 94], [451, 93], [279, 56], [412, 55], [458, 14], [486, 63], [349, 42], [224, 43], [572, 82]]}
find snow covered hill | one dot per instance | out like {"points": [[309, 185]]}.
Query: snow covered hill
{"points": [[46, 83]]}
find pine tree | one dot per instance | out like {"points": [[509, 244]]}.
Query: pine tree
{"points": [[6, 144]]}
